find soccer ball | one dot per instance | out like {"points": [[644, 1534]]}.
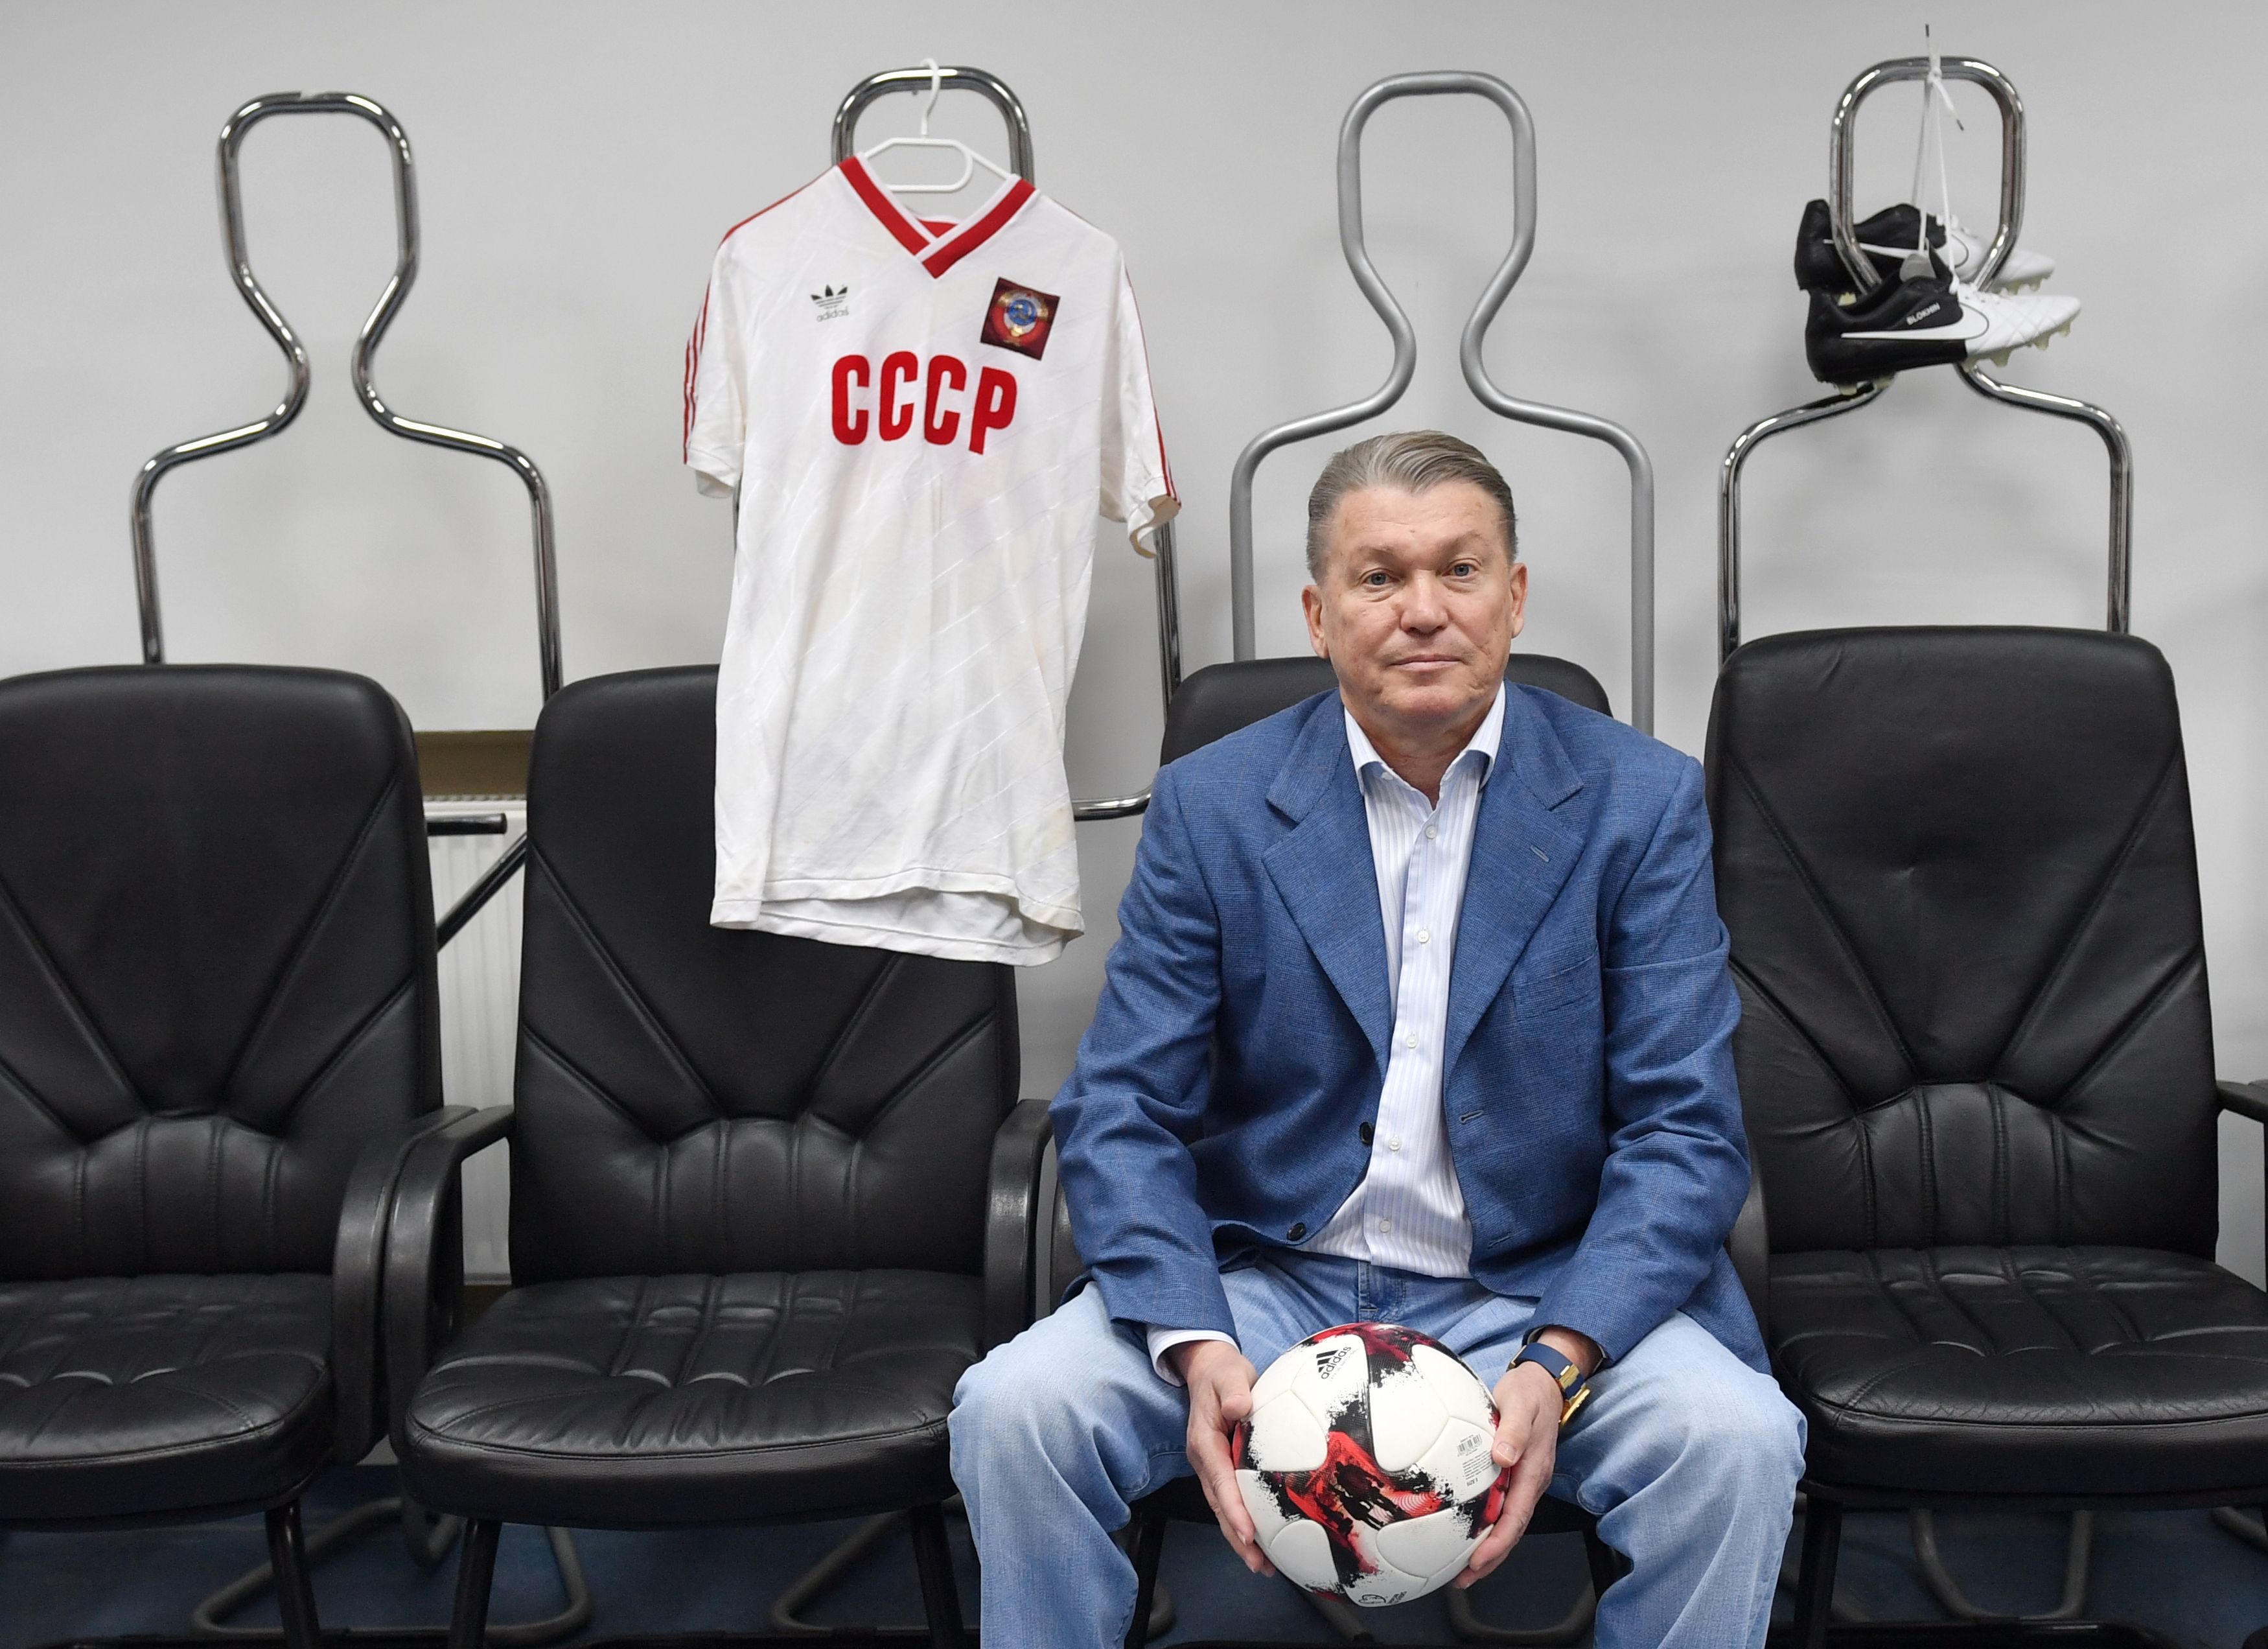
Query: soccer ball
{"points": [[1366, 1463]]}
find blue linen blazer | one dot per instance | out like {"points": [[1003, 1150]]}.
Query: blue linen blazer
{"points": [[1239, 1043]]}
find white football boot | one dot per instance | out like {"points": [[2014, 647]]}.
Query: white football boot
{"points": [[1963, 253], [2014, 319]]}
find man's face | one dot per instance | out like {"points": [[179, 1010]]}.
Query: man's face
{"points": [[1417, 605]]}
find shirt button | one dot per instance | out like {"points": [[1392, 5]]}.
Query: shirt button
{"points": [[1429, 832], [1393, 1144], [1411, 1040], [1424, 935], [1385, 1224]]}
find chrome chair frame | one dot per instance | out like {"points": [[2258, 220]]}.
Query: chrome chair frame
{"points": [[1470, 347], [233, 134], [426, 1539], [1842, 171], [1842, 167]]}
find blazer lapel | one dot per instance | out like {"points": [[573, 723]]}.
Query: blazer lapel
{"points": [[1521, 858], [1324, 873]]}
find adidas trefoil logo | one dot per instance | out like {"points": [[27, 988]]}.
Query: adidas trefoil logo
{"points": [[832, 303]]}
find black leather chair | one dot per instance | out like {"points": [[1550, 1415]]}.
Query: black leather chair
{"points": [[217, 1031], [1976, 1056], [751, 1184], [1213, 703]]}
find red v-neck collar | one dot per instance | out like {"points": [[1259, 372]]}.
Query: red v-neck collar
{"points": [[902, 225], [937, 253]]}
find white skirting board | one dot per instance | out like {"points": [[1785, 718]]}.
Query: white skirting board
{"points": [[480, 1012]]}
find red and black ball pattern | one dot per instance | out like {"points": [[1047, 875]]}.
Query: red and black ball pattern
{"points": [[1366, 1463]]}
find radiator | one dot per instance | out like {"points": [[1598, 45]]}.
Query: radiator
{"points": [[480, 1012]]}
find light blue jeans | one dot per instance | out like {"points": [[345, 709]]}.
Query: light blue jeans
{"points": [[1689, 1457]]}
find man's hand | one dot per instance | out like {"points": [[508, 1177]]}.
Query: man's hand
{"points": [[1219, 1381], [1527, 1404]]}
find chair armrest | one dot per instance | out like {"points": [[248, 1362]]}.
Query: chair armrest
{"points": [[2246, 1099], [1013, 1219], [357, 1261], [424, 1253], [1750, 1246]]}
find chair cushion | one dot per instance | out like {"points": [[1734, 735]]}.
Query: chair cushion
{"points": [[134, 1397], [2025, 1371], [643, 1402]]}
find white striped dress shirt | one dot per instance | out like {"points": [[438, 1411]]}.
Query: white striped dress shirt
{"points": [[1409, 1210]]}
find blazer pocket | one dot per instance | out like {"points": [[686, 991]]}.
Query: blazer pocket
{"points": [[1562, 977]]}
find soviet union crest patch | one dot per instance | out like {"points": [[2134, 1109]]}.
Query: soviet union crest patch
{"points": [[1019, 318]]}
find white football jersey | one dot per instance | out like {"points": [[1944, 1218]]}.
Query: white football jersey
{"points": [[923, 421]]}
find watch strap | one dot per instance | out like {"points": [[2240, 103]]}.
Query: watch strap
{"points": [[1566, 1374]]}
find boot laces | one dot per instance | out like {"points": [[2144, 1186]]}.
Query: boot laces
{"points": [[1936, 102]]}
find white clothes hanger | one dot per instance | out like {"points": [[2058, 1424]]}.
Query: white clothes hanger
{"points": [[970, 160]]}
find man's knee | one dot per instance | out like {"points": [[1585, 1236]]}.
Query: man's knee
{"points": [[1015, 1396], [1740, 1446], [1759, 1435], [1723, 1434], [1047, 1394]]}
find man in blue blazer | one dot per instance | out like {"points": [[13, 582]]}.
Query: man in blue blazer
{"points": [[1420, 1013]]}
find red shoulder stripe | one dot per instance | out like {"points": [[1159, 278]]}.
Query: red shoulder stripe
{"points": [[752, 215], [1156, 423], [693, 369], [701, 324]]}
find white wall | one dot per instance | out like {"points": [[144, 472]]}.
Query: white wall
{"points": [[578, 161]]}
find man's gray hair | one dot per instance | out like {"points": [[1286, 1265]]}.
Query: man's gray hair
{"points": [[1415, 461]]}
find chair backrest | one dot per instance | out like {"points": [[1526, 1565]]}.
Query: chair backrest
{"points": [[691, 1099], [216, 973], [1219, 699], [1958, 871]]}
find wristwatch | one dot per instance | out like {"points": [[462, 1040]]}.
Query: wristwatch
{"points": [[1574, 1385]]}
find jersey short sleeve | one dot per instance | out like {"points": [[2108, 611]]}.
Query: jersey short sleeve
{"points": [[1137, 488], [716, 417]]}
